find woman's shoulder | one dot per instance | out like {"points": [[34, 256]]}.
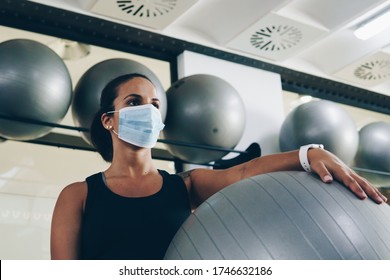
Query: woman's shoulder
{"points": [[75, 187], [175, 179], [170, 176], [76, 192], [81, 187]]}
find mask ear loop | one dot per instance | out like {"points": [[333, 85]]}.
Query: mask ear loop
{"points": [[110, 128]]}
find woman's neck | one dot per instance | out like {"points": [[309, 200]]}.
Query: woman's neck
{"points": [[132, 162]]}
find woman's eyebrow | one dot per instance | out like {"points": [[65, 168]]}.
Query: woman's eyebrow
{"points": [[132, 95], [139, 96]]}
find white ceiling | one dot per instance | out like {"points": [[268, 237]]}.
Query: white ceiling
{"points": [[311, 36]]}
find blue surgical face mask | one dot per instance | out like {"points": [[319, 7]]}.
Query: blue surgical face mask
{"points": [[139, 125]]}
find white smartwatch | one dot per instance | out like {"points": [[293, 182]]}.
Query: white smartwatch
{"points": [[303, 155]]}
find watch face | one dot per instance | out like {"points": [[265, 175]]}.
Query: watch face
{"points": [[276, 38], [316, 146], [146, 8]]}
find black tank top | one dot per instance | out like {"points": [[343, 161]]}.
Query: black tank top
{"points": [[117, 227]]}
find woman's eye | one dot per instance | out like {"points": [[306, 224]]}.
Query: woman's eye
{"points": [[132, 103], [156, 105]]}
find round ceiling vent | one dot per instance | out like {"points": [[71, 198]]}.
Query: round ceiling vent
{"points": [[276, 38], [147, 8], [373, 70]]}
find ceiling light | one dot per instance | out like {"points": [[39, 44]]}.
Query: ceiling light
{"points": [[305, 98], [373, 26], [70, 50]]}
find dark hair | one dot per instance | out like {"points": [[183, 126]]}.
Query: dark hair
{"points": [[100, 137]]}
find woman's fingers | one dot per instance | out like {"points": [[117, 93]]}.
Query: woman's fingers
{"points": [[323, 172], [369, 189], [358, 185], [333, 168]]}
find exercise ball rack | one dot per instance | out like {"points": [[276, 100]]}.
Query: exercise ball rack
{"points": [[61, 140]]}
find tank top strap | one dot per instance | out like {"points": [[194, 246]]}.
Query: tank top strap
{"points": [[95, 179], [95, 186], [173, 186]]}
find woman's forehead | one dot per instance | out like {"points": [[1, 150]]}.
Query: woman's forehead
{"points": [[139, 86]]}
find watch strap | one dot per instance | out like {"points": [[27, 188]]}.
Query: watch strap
{"points": [[303, 155]]}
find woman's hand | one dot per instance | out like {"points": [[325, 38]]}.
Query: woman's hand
{"points": [[329, 167]]}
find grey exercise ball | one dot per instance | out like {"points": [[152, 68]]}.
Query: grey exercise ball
{"points": [[203, 110], [322, 122], [284, 215], [86, 101], [35, 84], [374, 152]]}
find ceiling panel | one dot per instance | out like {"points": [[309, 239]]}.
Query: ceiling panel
{"points": [[218, 21], [369, 71], [155, 14], [329, 14], [276, 37]]}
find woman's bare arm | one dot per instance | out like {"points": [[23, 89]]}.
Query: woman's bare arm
{"points": [[66, 222], [202, 183]]}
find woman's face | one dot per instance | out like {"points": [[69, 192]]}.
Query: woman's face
{"points": [[137, 91]]}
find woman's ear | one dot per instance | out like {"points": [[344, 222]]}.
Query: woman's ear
{"points": [[106, 121]]}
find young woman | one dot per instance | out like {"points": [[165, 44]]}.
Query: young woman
{"points": [[132, 210]]}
